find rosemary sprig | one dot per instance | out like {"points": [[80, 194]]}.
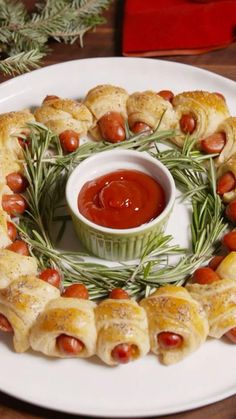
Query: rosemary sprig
{"points": [[152, 252], [156, 267], [42, 197], [136, 142], [198, 184], [187, 167], [24, 36], [47, 173], [100, 279], [42, 180], [208, 223], [21, 63]]}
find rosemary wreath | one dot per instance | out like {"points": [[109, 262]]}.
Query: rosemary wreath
{"points": [[24, 36], [47, 170]]}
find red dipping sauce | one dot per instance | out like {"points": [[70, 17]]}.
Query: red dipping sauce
{"points": [[122, 199]]}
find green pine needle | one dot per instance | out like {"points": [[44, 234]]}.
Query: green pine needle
{"points": [[24, 36], [21, 63]]}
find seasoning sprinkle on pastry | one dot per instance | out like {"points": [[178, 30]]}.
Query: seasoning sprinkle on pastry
{"points": [[66, 328], [223, 141], [122, 330], [226, 180], [21, 303], [65, 117], [14, 265], [219, 302], [177, 323], [148, 110], [8, 164], [199, 113], [107, 103], [12, 127]]}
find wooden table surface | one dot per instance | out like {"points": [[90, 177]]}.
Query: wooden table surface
{"points": [[105, 42]]}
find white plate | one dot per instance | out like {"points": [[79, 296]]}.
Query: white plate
{"points": [[145, 387]]}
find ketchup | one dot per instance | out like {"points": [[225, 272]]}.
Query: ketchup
{"points": [[121, 199]]}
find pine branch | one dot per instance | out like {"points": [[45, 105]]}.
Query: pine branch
{"points": [[90, 7], [21, 63], [63, 20], [12, 13], [77, 30], [81, 17]]}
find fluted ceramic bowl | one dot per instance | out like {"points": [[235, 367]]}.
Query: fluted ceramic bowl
{"points": [[110, 243]]}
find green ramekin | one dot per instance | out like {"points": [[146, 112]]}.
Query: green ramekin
{"points": [[118, 244]]}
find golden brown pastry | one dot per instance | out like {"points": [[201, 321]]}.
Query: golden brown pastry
{"points": [[177, 323], [72, 317], [228, 127], [103, 99], [4, 217], [199, 113], [120, 324], [60, 115], [4, 190], [8, 164], [106, 98], [151, 109], [227, 268], [4, 237], [21, 303], [14, 265], [219, 302], [229, 166], [12, 125]]}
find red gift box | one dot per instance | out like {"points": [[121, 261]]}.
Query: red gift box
{"points": [[172, 27]]}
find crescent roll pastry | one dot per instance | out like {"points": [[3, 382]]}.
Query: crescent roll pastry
{"points": [[219, 302], [13, 124], [4, 238], [4, 217], [209, 110], [172, 309], [228, 166], [103, 99], [227, 268], [121, 322], [70, 316], [228, 127], [64, 114], [8, 164], [151, 109], [106, 98], [14, 265], [4, 190], [21, 303]]}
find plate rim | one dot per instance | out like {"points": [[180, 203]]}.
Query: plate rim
{"points": [[189, 406], [117, 58]]}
